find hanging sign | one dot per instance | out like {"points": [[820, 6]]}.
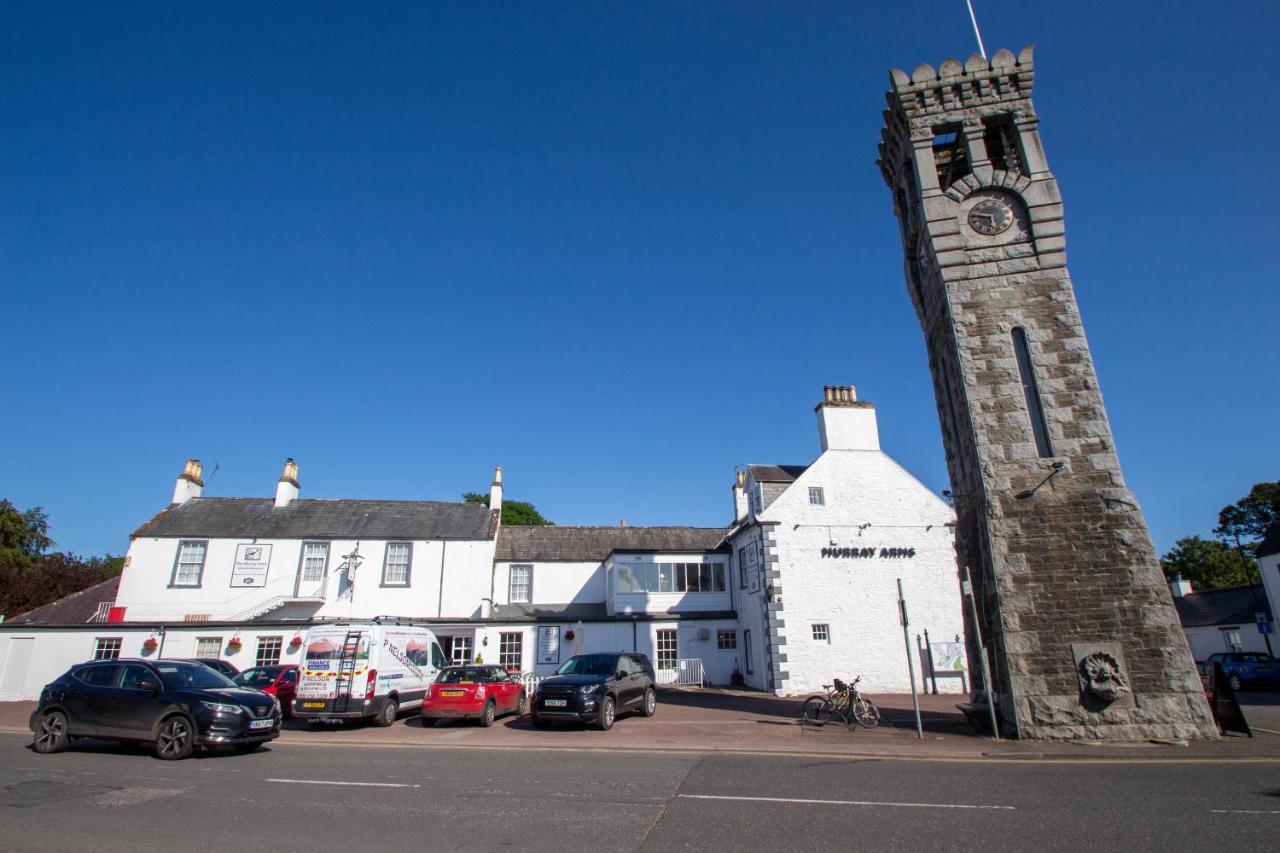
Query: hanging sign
{"points": [[251, 565], [549, 644]]}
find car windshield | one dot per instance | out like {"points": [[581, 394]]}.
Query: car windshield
{"points": [[1252, 658], [176, 676], [461, 674], [589, 665], [263, 676]]}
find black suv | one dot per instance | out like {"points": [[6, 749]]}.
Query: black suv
{"points": [[595, 689], [176, 705]]}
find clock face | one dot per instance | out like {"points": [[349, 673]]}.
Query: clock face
{"points": [[990, 217]]}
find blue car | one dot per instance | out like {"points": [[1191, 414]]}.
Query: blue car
{"points": [[1245, 670]]}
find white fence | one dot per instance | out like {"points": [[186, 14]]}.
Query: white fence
{"points": [[686, 671], [529, 680]]}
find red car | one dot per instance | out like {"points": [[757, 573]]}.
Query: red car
{"points": [[473, 692], [280, 681]]}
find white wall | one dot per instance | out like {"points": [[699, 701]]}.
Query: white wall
{"points": [[146, 592], [857, 597], [1210, 639], [553, 583], [1269, 568], [748, 598]]}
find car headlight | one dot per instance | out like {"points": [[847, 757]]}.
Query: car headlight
{"points": [[588, 689], [222, 708]]}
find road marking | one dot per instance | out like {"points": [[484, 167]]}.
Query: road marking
{"points": [[1243, 811], [340, 782], [844, 802]]}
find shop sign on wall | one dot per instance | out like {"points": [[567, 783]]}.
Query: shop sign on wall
{"points": [[549, 644], [252, 562], [869, 553]]}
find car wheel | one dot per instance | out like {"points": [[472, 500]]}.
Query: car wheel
{"points": [[176, 739], [1236, 682], [488, 714], [541, 722], [51, 734], [387, 716], [522, 704], [604, 717], [650, 705]]}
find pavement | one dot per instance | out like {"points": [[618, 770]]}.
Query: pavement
{"points": [[320, 796], [745, 722]]}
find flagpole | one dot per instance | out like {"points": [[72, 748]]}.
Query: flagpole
{"points": [[976, 32]]}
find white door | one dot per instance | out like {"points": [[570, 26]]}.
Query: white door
{"points": [[16, 664]]}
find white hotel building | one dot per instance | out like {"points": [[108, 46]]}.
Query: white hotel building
{"points": [[800, 588]]}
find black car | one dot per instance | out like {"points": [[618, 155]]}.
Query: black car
{"points": [[227, 668], [595, 689], [175, 705]]}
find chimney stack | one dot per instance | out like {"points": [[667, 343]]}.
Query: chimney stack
{"points": [[495, 490], [1179, 587], [845, 422], [740, 496], [189, 484], [287, 488], [623, 523]]}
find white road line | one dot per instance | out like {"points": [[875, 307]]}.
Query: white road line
{"points": [[844, 802], [340, 782], [1243, 811]]}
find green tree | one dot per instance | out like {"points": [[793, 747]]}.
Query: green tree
{"points": [[1246, 521], [514, 513], [1207, 563], [23, 535]]}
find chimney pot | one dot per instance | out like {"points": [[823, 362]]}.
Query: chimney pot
{"points": [[189, 484], [288, 487], [495, 490], [624, 523]]}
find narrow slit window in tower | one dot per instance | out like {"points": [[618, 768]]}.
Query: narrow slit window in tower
{"points": [[1034, 408], [1001, 139], [949, 155]]}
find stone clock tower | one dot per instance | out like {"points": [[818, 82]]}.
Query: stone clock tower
{"points": [[1079, 626]]}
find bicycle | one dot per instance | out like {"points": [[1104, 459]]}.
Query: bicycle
{"points": [[841, 701]]}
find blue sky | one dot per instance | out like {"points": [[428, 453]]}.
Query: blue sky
{"points": [[616, 248]]}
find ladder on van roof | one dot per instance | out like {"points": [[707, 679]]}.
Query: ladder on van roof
{"points": [[346, 671]]}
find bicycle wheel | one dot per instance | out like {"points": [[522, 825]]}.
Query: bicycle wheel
{"points": [[816, 709], [866, 714]]}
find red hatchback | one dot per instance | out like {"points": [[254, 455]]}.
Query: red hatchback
{"points": [[280, 681], [473, 693]]}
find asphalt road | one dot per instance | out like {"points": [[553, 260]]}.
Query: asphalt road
{"points": [[357, 798]]}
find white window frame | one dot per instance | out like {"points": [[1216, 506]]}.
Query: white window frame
{"points": [[757, 499], [107, 648], [408, 564], [308, 561], [456, 645], [817, 497], [526, 584], [726, 639], [175, 581], [666, 648], [203, 643], [264, 645], [821, 632], [511, 649]]}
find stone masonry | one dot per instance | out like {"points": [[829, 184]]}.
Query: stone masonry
{"points": [[1080, 628]]}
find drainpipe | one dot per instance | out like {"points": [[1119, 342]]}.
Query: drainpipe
{"points": [[440, 601]]}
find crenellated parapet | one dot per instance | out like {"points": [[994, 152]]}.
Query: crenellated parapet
{"points": [[975, 84]]}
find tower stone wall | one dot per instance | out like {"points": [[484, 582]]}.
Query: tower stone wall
{"points": [[1080, 627]]}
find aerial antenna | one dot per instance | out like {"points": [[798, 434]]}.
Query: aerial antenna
{"points": [[977, 33]]}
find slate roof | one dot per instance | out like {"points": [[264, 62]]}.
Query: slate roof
{"points": [[321, 519], [1270, 543], [74, 609], [594, 544], [776, 473], [1238, 605], [596, 612]]}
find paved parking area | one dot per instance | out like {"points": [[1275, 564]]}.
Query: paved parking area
{"points": [[729, 721]]}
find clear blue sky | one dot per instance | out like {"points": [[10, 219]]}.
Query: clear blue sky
{"points": [[616, 248]]}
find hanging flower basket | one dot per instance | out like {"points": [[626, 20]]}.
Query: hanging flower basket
{"points": [[296, 641], [568, 635], [149, 645], [234, 645]]}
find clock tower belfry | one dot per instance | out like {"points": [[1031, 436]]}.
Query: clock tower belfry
{"points": [[1079, 626]]}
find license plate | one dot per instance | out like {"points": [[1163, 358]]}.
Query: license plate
{"points": [[556, 703], [313, 704], [453, 693], [261, 724]]}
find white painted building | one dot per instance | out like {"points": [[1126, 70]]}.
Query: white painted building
{"points": [[1222, 620], [799, 589]]}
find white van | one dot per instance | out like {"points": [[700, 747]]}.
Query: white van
{"points": [[352, 670]]}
